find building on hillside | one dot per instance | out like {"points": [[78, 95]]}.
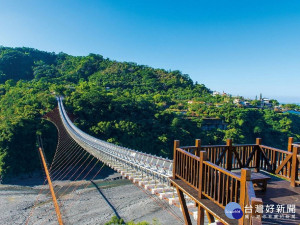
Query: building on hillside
{"points": [[265, 102], [246, 104], [215, 93], [277, 108], [212, 124], [224, 94], [237, 101]]}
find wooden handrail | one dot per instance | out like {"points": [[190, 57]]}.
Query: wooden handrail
{"points": [[188, 147], [223, 158], [213, 146], [276, 149], [244, 145], [234, 145], [252, 201], [226, 172], [188, 153], [250, 190], [214, 182]]}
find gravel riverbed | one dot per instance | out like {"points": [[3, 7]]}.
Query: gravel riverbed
{"points": [[84, 205]]}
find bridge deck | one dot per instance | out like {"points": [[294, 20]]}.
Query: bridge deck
{"points": [[279, 192]]}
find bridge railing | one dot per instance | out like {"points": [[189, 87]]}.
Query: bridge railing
{"points": [[214, 182], [150, 163], [261, 157], [216, 154], [220, 185], [187, 167], [253, 206], [231, 156]]}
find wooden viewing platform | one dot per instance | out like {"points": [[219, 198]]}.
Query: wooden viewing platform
{"points": [[253, 176]]}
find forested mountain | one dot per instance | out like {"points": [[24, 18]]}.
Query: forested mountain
{"points": [[132, 105]]}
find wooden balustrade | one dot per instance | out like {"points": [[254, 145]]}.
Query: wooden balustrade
{"points": [[216, 154], [275, 160], [211, 181], [190, 149], [230, 157], [187, 167], [220, 185], [244, 156], [207, 170], [253, 206]]}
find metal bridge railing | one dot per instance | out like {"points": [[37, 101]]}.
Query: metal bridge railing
{"points": [[157, 166]]}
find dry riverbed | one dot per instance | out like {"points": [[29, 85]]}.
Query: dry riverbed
{"points": [[85, 205]]}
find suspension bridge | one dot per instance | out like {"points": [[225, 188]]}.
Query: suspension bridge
{"points": [[201, 180]]}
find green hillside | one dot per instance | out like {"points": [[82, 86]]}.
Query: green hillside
{"points": [[132, 105]]}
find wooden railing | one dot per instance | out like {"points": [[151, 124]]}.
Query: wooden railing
{"points": [[212, 181], [253, 210], [280, 162], [244, 156], [207, 169], [220, 185], [187, 167], [295, 170], [216, 154], [275, 160]]}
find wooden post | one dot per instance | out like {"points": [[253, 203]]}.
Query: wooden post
{"points": [[290, 149], [245, 176], [255, 202], [257, 154], [51, 188], [203, 157], [229, 154], [198, 147], [176, 145], [185, 210], [295, 165]]}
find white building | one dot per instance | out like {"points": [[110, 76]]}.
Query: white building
{"points": [[215, 93]]}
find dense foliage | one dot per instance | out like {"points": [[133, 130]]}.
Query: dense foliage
{"points": [[132, 105]]}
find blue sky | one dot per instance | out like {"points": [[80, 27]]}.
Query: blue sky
{"points": [[240, 47]]}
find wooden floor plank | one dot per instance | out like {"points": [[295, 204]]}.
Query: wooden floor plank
{"points": [[279, 192]]}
